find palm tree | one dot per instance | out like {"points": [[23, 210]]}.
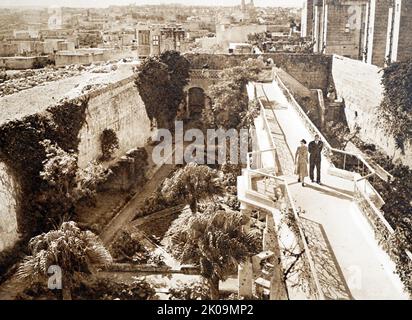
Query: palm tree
{"points": [[75, 251], [214, 241], [191, 184]]}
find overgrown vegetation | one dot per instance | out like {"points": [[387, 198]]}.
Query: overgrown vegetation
{"points": [[398, 211], [215, 241], [160, 81], [191, 184], [230, 102], [74, 251], [125, 248], [94, 289], [396, 106], [109, 143]]}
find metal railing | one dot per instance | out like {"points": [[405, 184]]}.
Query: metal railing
{"points": [[336, 156], [255, 169], [363, 189]]}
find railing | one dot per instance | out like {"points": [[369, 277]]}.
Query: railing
{"points": [[337, 157], [280, 190], [363, 190]]}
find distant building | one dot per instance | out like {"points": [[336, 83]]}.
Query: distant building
{"points": [[154, 39], [165, 38], [307, 19], [237, 33], [240, 48]]}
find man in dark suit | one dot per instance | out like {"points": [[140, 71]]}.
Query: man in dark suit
{"points": [[315, 151]]}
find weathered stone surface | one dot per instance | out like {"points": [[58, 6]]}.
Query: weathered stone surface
{"points": [[8, 203], [312, 70]]}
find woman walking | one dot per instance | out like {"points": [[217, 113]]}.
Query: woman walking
{"points": [[301, 161]]}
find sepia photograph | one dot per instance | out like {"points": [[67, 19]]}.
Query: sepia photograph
{"points": [[224, 151]]}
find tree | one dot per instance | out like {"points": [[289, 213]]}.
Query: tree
{"points": [[230, 102], [75, 251], [191, 184], [59, 176], [161, 81], [214, 241], [66, 184]]}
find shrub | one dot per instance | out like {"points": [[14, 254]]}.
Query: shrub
{"points": [[196, 290], [125, 248]]}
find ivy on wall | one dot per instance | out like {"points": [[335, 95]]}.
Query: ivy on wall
{"points": [[24, 151], [396, 106], [109, 143]]}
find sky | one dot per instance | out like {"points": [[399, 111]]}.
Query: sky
{"points": [[105, 3]]}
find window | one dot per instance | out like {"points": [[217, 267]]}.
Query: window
{"points": [[144, 38], [155, 40]]}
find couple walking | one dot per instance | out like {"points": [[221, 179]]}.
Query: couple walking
{"points": [[301, 159]]}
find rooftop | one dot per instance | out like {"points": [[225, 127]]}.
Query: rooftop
{"points": [[39, 98]]}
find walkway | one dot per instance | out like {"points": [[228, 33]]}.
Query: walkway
{"points": [[333, 218]]}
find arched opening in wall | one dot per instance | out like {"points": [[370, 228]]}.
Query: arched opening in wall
{"points": [[8, 204], [196, 102]]}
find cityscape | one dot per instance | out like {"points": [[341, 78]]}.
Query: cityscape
{"points": [[251, 150]]}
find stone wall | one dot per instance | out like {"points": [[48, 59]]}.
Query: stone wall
{"points": [[74, 124], [118, 107], [359, 84], [311, 70], [8, 202]]}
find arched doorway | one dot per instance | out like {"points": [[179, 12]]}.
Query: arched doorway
{"points": [[196, 102]]}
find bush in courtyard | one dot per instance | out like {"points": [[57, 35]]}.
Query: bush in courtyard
{"points": [[125, 248], [107, 289], [196, 290], [191, 184], [230, 103], [213, 240], [109, 143]]}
